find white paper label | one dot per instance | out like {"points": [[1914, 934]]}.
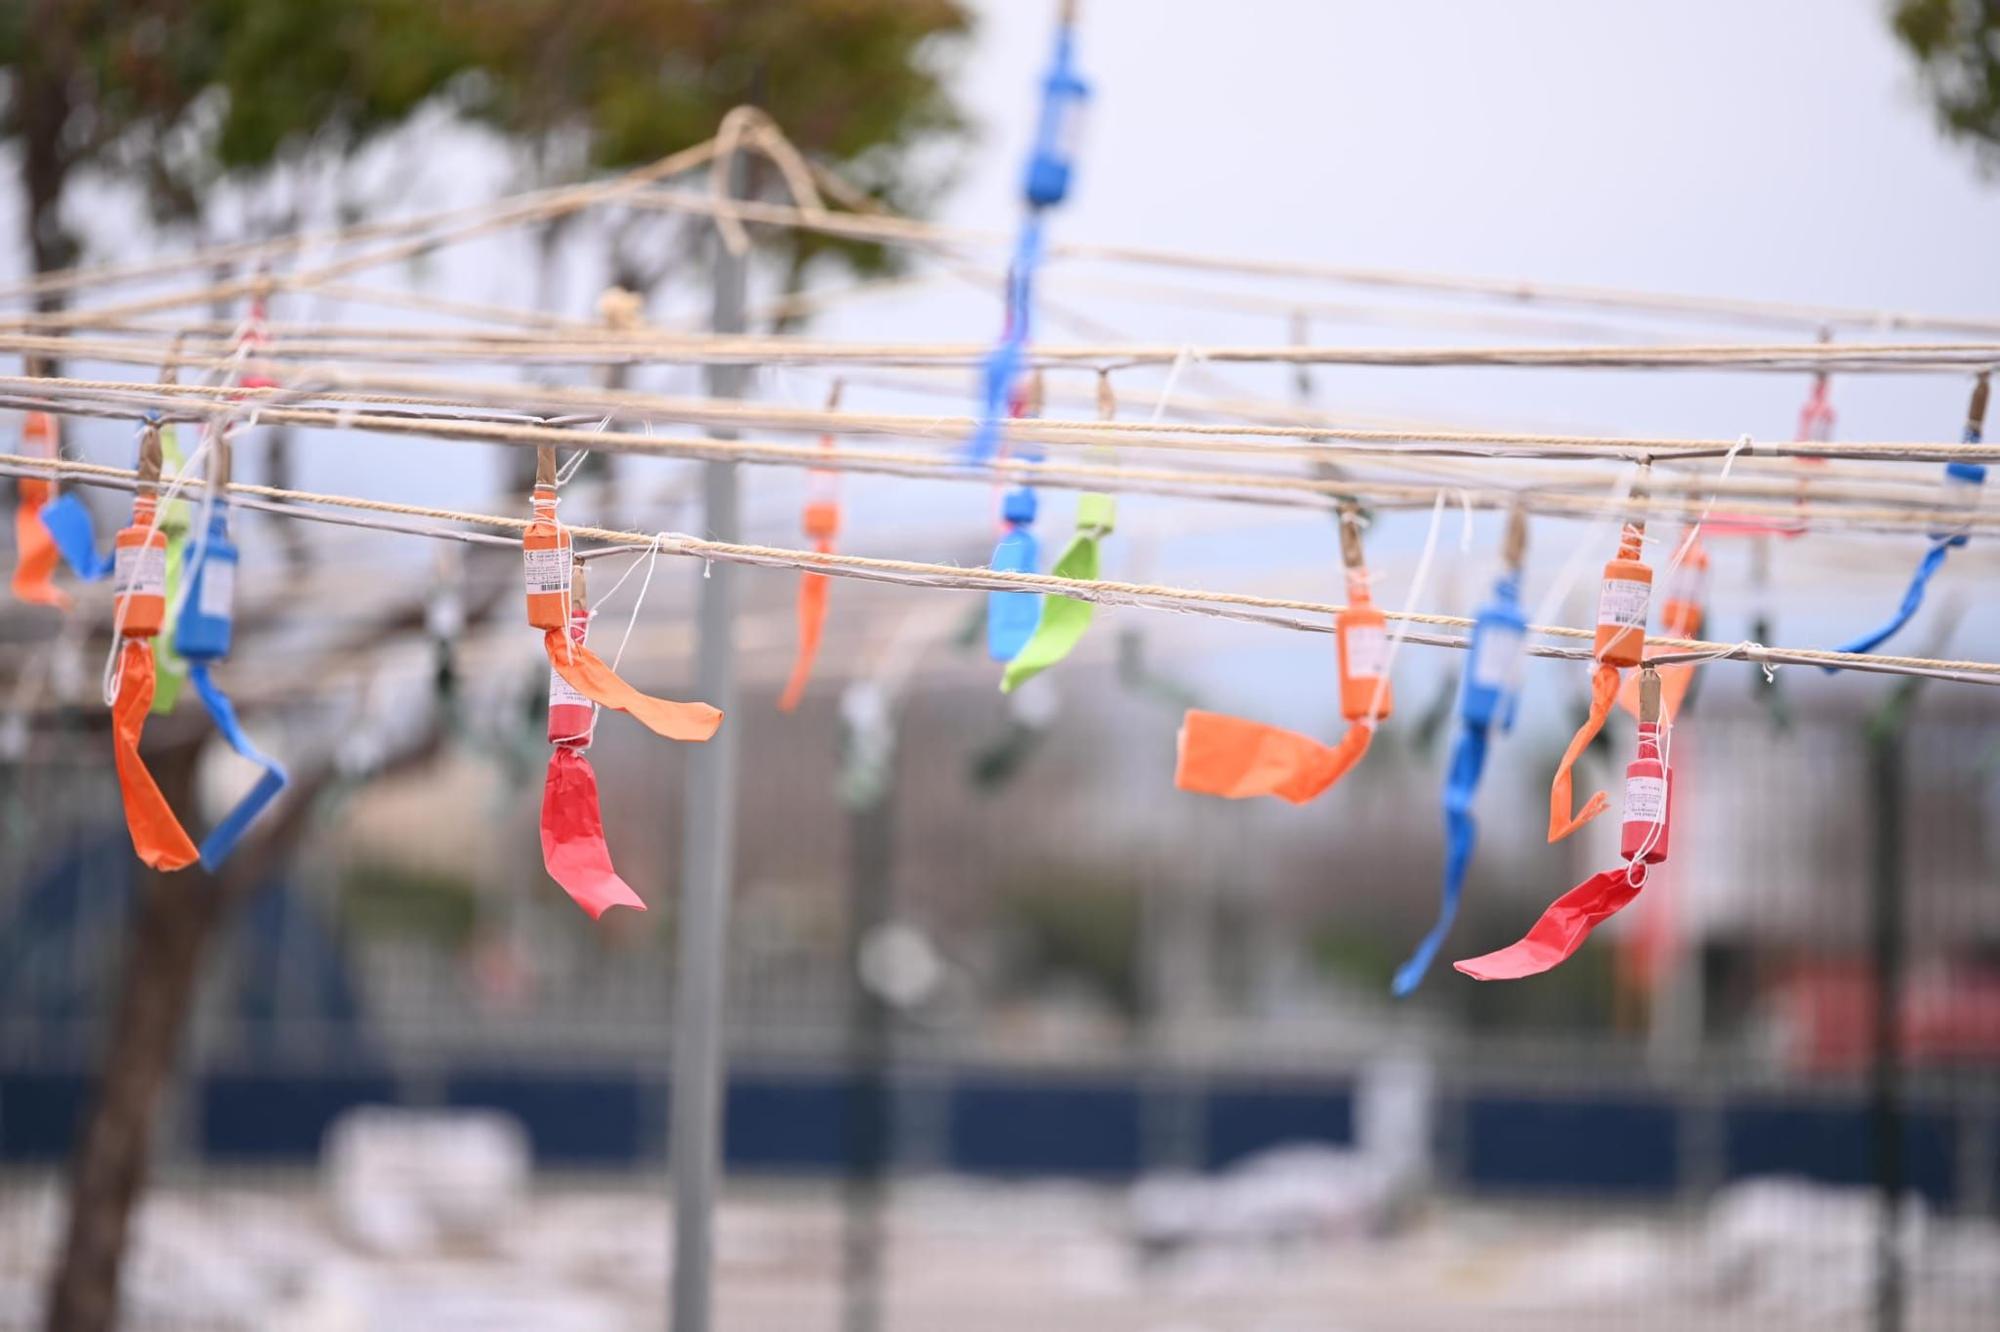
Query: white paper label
{"points": [[1367, 650], [139, 569], [563, 692], [1645, 800], [1623, 602], [548, 570], [218, 588], [1493, 659]]}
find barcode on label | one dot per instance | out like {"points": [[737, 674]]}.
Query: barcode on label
{"points": [[548, 570], [1367, 650], [218, 588], [1645, 800], [140, 569], [1623, 602]]}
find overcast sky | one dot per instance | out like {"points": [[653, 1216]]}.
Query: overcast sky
{"points": [[1778, 150]]}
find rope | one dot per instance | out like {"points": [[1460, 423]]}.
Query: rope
{"points": [[1311, 617], [615, 346], [1237, 487]]}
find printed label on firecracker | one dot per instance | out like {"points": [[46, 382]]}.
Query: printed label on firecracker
{"points": [[563, 692], [1494, 657], [548, 570], [1367, 650], [1623, 602], [140, 569], [218, 588], [1645, 800]]}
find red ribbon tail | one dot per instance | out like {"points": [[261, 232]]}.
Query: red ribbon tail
{"points": [[573, 847], [157, 836], [1561, 930]]}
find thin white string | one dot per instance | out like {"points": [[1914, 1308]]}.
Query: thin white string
{"points": [[652, 560], [1185, 355], [1694, 529], [110, 684], [1402, 626], [1635, 869], [1592, 539]]}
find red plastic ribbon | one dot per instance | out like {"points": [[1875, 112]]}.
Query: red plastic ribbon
{"points": [[157, 836], [1603, 689], [589, 676], [1235, 759], [573, 847], [1562, 928]]}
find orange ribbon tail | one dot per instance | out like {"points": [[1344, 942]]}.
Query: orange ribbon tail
{"points": [[1235, 759], [589, 676], [812, 622], [34, 549], [157, 835], [1603, 689]]}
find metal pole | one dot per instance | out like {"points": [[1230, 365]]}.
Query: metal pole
{"points": [[1886, 768], [709, 862], [870, 908]]}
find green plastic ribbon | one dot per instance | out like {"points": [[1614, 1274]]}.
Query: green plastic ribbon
{"points": [[169, 667], [1064, 619]]}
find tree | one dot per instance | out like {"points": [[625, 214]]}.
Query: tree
{"points": [[173, 99], [1957, 46], [623, 82], [178, 97]]}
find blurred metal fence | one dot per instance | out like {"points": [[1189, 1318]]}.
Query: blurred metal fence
{"points": [[1077, 973]]}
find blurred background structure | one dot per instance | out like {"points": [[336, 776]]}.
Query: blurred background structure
{"points": [[1016, 1034]]}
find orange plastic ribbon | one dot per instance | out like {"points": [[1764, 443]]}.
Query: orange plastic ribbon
{"points": [[589, 676], [35, 550], [1235, 759], [1603, 689], [813, 589], [157, 835]]}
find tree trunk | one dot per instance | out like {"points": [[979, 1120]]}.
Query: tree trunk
{"points": [[175, 917], [42, 113]]}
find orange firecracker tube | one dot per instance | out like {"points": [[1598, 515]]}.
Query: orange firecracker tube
{"points": [[139, 573], [1623, 602], [545, 551], [1362, 633]]}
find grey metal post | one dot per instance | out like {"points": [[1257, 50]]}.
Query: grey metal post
{"points": [[708, 865]]}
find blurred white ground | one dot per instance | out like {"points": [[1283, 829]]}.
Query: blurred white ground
{"points": [[265, 1252]]}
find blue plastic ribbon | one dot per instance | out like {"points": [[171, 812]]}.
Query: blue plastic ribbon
{"points": [[203, 633], [1461, 832], [1963, 474], [1044, 185], [223, 837], [1486, 699], [69, 525], [1003, 364], [1013, 617]]}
